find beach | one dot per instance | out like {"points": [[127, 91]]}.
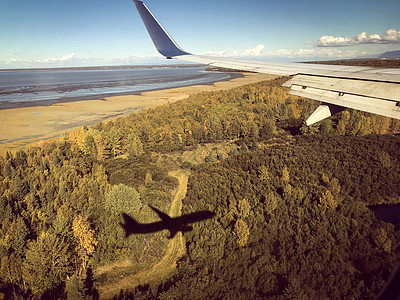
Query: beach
{"points": [[27, 126]]}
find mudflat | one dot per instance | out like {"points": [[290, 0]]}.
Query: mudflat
{"points": [[26, 126]]}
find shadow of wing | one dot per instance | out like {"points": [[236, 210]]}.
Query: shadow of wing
{"points": [[196, 217], [129, 224]]}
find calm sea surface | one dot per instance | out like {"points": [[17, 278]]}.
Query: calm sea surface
{"points": [[29, 88]]}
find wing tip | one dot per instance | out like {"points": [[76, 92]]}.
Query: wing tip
{"points": [[163, 42]]}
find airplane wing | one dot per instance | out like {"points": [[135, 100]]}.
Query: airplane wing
{"points": [[337, 87]]}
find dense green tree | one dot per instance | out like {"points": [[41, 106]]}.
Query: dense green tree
{"points": [[19, 234], [75, 289], [123, 199], [11, 271], [135, 146], [47, 263]]}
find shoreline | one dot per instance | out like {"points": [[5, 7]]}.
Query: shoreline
{"points": [[21, 104], [22, 127]]}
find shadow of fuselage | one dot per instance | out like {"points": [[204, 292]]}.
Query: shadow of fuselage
{"points": [[174, 225]]}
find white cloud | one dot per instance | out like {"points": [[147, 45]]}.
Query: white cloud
{"points": [[73, 60], [314, 53], [258, 52], [301, 53], [390, 36], [66, 57], [252, 52], [65, 60], [216, 53]]}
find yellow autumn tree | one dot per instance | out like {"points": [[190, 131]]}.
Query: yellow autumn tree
{"points": [[84, 239], [271, 203], [242, 232], [244, 208], [382, 240], [263, 174], [285, 174], [327, 200]]}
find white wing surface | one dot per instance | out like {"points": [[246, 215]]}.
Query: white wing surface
{"points": [[337, 87]]}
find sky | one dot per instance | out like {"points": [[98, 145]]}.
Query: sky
{"points": [[44, 33]]}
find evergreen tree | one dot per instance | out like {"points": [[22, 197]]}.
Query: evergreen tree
{"points": [[47, 263], [75, 289], [134, 146]]}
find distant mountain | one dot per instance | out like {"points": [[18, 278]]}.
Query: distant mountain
{"points": [[390, 54]]}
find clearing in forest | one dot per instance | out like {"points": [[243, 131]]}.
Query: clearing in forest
{"points": [[163, 268]]}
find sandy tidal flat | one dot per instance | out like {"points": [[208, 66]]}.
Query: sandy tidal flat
{"points": [[22, 127]]}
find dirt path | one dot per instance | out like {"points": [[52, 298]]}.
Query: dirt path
{"points": [[167, 264]]}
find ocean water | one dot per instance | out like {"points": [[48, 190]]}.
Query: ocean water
{"points": [[22, 88]]}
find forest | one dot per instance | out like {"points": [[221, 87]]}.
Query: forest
{"points": [[291, 202]]}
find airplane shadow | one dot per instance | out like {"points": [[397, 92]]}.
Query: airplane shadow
{"points": [[174, 225]]}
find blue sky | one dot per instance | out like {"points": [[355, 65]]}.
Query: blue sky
{"points": [[45, 33]]}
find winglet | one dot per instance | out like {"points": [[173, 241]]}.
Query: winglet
{"points": [[161, 39]]}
